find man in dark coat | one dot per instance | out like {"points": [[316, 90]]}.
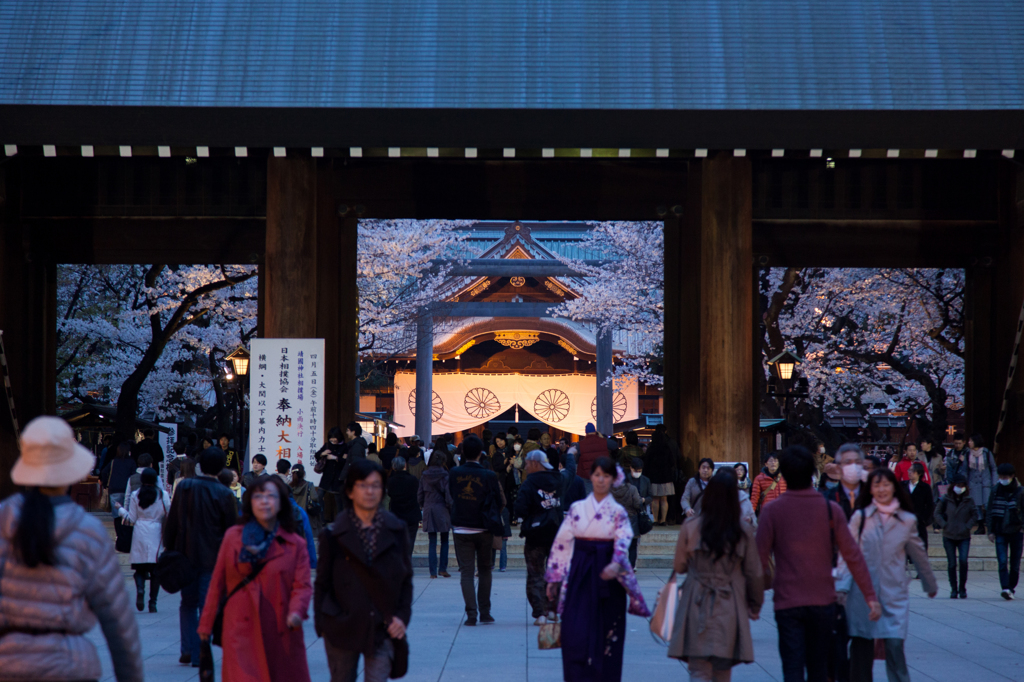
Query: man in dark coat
{"points": [[362, 597], [201, 512], [149, 444], [402, 489], [476, 519], [921, 497], [539, 507]]}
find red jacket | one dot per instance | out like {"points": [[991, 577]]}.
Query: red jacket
{"points": [[258, 645], [902, 471], [590, 448], [763, 484]]}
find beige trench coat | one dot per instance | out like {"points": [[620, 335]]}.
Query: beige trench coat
{"points": [[712, 619]]}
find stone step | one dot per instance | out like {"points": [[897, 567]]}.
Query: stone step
{"points": [[656, 551]]}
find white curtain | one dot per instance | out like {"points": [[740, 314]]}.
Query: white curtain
{"points": [[462, 401]]}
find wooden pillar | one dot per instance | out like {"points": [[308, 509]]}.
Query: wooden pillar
{"points": [[605, 416], [1007, 289], [425, 378], [712, 323], [28, 319], [310, 274]]}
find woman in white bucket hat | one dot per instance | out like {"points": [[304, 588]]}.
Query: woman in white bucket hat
{"points": [[58, 572]]}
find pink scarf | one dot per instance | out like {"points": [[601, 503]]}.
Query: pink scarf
{"points": [[887, 510]]}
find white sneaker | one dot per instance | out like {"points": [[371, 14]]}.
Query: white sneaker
{"points": [[1005, 594], [541, 620]]}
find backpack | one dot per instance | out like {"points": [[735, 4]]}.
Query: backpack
{"points": [[543, 527]]}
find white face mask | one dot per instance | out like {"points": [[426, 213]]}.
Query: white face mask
{"points": [[517, 447], [822, 449], [1005, 481], [636, 474], [959, 489], [852, 473]]}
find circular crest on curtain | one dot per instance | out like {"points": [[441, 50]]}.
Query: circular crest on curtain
{"points": [[480, 403], [619, 406], [551, 405], [436, 405]]}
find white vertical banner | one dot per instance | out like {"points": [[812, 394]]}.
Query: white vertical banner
{"points": [[286, 408], [167, 441]]}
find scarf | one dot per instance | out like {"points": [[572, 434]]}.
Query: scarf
{"points": [[977, 462], [887, 510], [367, 534], [237, 490], [256, 541]]}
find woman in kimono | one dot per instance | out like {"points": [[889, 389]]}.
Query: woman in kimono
{"points": [[590, 558]]}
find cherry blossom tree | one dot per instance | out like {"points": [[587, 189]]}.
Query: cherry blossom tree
{"points": [[141, 335], [872, 337], [626, 294], [398, 277]]}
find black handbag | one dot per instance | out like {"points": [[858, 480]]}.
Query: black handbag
{"points": [[218, 622], [124, 535], [400, 663], [174, 571], [645, 524]]}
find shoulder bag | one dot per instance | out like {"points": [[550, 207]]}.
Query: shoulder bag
{"points": [[218, 621], [760, 499], [664, 619]]}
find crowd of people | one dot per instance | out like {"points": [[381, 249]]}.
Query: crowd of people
{"points": [[830, 536]]}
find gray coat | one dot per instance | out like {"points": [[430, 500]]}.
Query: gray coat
{"points": [[435, 499], [68, 599], [692, 496], [886, 547]]}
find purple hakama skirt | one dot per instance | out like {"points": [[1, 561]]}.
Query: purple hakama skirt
{"points": [[593, 617]]}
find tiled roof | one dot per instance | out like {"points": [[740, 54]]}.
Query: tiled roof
{"points": [[522, 54]]}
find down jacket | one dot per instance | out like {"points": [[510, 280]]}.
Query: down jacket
{"points": [[86, 585]]}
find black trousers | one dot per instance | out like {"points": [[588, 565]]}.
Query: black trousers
{"points": [[838, 653], [804, 636], [474, 552]]}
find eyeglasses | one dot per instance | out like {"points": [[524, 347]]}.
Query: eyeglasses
{"points": [[368, 486]]}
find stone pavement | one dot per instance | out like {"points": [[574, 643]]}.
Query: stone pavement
{"points": [[981, 638]]}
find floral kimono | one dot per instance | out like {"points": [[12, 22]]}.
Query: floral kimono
{"points": [[593, 535]]}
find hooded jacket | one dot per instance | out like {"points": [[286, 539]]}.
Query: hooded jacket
{"points": [[65, 601]]}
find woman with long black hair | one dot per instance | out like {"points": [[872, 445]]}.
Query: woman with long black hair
{"points": [[724, 587], [589, 560], [60, 574], [147, 510]]}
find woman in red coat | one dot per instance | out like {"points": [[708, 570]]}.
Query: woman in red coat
{"points": [[262, 635]]}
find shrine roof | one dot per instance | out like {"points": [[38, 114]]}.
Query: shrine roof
{"points": [[538, 59], [576, 54]]}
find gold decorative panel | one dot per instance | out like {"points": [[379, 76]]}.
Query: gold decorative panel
{"points": [[566, 345], [517, 340], [518, 281]]}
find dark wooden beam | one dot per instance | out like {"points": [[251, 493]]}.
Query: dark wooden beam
{"points": [[182, 240], [875, 243], [307, 127], [548, 189]]}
